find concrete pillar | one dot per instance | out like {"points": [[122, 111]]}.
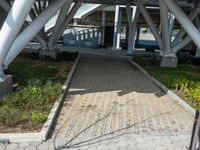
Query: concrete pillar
{"points": [[103, 26], [186, 23], [117, 28], [149, 21], [61, 18], [66, 21], [12, 26], [27, 35]]}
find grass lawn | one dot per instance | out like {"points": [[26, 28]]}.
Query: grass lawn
{"points": [[37, 85], [182, 80]]}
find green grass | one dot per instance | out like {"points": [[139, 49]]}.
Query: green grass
{"points": [[38, 84], [168, 76]]}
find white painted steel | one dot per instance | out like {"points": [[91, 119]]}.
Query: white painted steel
{"points": [[27, 35], [181, 33], [5, 5], [67, 20], [132, 19], [116, 35], [61, 18], [149, 21], [186, 23], [166, 51], [12, 26]]}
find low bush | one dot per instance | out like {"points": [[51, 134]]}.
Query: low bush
{"points": [[21, 106], [38, 117], [190, 89], [67, 56], [184, 79], [38, 84], [189, 60]]}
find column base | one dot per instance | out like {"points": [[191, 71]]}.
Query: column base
{"points": [[6, 86], [169, 62], [48, 53]]}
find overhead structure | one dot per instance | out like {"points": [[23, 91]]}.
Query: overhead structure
{"points": [[17, 31]]}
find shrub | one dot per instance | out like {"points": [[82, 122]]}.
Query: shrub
{"points": [[38, 117], [67, 56], [190, 88], [18, 107]]}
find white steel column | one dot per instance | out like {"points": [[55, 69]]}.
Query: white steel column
{"points": [[12, 26], [149, 21], [132, 19], [27, 35], [117, 28], [181, 44], [186, 23], [61, 18], [181, 33], [103, 26], [165, 29], [5, 5], [197, 21], [67, 21], [171, 25]]}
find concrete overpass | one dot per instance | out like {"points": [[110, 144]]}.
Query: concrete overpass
{"points": [[17, 31]]}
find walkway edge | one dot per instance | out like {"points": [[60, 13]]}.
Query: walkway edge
{"points": [[43, 134], [170, 93]]}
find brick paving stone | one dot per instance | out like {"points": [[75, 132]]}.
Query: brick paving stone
{"points": [[12, 146], [31, 147], [23, 145], [111, 105]]}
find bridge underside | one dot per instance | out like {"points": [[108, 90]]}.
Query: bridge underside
{"points": [[16, 31]]}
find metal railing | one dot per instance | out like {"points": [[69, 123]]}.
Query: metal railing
{"points": [[195, 139]]}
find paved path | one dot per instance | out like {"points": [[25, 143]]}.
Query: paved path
{"points": [[113, 106]]}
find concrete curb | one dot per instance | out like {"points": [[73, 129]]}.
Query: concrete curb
{"points": [[42, 135], [171, 94]]}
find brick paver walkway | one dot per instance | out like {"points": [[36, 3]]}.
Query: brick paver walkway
{"points": [[113, 106]]}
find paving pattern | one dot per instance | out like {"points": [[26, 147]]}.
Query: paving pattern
{"points": [[111, 105]]}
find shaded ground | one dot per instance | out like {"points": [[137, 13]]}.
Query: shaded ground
{"points": [[108, 96], [188, 70]]}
